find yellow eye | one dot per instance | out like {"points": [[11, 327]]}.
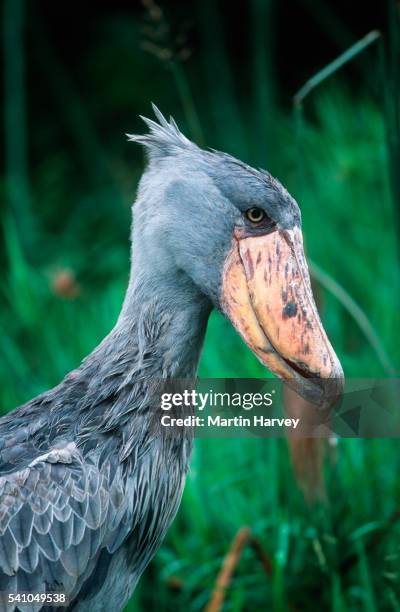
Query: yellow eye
{"points": [[255, 215]]}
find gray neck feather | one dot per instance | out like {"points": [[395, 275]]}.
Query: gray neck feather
{"points": [[158, 336], [165, 319]]}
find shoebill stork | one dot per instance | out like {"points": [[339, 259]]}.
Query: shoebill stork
{"points": [[89, 479]]}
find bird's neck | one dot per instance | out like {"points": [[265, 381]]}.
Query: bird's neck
{"points": [[158, 337], [156, 342], [162, 324]]}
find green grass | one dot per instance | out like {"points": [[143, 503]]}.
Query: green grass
{"points": [[335, 162]]}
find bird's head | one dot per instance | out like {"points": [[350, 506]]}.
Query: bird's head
{"points": [[235, 232]]}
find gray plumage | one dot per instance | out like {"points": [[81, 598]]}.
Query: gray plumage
{"points": [[89, 480]]}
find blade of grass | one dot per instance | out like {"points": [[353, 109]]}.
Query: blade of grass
{"points": [[365, 578], [187, 102], [263, 82], [338, 604], [15, 130], [227, 570], [356, 312], [281, 557], [227, 120], [334, 66], [391, 98], [394, 600], [160, 43]]}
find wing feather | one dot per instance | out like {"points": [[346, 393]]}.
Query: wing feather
{"points": [[56, 515]]}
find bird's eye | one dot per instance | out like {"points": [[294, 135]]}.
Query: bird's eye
{"points": [[255, 215]]}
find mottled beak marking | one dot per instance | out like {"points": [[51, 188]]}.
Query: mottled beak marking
{"points": [[266, 293]]}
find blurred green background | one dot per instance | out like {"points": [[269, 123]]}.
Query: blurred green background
{"points": [[75, 80]]}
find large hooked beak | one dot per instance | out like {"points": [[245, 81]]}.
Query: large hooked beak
{"points": [[266, 293]]}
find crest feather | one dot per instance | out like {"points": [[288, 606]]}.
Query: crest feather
{"points": [[163, 139]]}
